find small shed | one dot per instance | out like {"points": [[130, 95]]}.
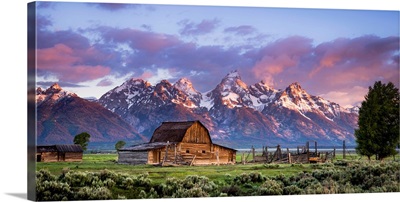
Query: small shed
{"points": [[182, 143], [55, 153]]}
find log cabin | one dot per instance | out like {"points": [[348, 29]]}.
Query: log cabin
{"points": [[178, 143], [55, 153]]}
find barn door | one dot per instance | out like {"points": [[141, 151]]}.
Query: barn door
{"points": [[38, 158], [156, 156], [62, 157]]}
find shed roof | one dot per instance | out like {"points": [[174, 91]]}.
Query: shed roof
{"points": [[145, 146], [69, 148], [172, 131], [59, 148]]}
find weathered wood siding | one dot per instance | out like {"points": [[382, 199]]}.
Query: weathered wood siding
{"points": [[132, 157], [189, 150], [197, 134], [48, 156], [226, 156], [156, 156], [73, 156]]}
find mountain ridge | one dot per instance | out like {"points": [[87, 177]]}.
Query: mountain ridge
{"points": [[234, 111], [61, 115]]}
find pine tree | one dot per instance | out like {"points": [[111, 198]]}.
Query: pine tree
{"points": [[378, 132]]}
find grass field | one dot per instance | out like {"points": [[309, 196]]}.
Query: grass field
{"points": [[98, 162], [98, 176]]}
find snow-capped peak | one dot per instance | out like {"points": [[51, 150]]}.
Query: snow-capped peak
{"points": [[233, 74], [54, 92], [55, 86], [185, 85]]}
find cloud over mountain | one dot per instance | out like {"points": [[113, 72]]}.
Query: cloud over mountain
{"points": [[209, 46]]}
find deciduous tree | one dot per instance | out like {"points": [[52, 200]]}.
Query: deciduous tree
{"points": [[119, 145], [82, 139]]}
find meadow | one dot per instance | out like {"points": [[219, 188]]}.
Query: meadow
{"points": [[98, 162], [99, 176]]}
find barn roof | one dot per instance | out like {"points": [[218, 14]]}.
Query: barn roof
{"points": [[225, 147], [59, 148], [171, 131], [69, 148]]}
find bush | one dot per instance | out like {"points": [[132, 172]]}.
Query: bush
{"points": [[191, 186], [291, 190], [93, 193], [232, 190], [270, 187], [252, 177], [52, 191]]}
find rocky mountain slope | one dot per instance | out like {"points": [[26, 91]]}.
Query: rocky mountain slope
{"points": [[235, 113], [61, 115]]}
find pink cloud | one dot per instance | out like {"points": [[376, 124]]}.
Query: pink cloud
{"points": [[279, 56], [369, 52], [66, 64], [146, 75], [347, 97], [140, 40]]}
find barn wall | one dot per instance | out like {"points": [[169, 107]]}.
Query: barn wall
{"points": [[132, 157], [73, 156], [48, 156], [156, 156], [202, 151], [206, 153], [197, 133], [225, 155]]}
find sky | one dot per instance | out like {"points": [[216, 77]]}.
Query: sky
{"points": [[90, 48]]}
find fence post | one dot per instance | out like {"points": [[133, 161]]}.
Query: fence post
{"points": [[308, 151], [175, 153], [253, 151], [344, 149], [316, 150], [334, 152]]}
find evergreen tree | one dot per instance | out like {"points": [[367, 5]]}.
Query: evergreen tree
{"points": [[82, 139], [378, 122]]}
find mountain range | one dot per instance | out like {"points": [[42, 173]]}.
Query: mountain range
{"points": [[61, 115], [236, 114]]}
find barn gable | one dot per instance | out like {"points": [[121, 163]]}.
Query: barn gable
{"points": [[188, 131]]}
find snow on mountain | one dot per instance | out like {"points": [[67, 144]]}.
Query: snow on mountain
{"points": [[53, 94], [233, 110], [61, 115]]}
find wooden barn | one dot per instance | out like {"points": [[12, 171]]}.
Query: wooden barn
{"points": [[54, 153], [178, 143]]}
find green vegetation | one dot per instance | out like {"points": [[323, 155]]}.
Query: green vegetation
{"points": [[378, 132], [119, 145], [100, 177], [82, 139]]}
